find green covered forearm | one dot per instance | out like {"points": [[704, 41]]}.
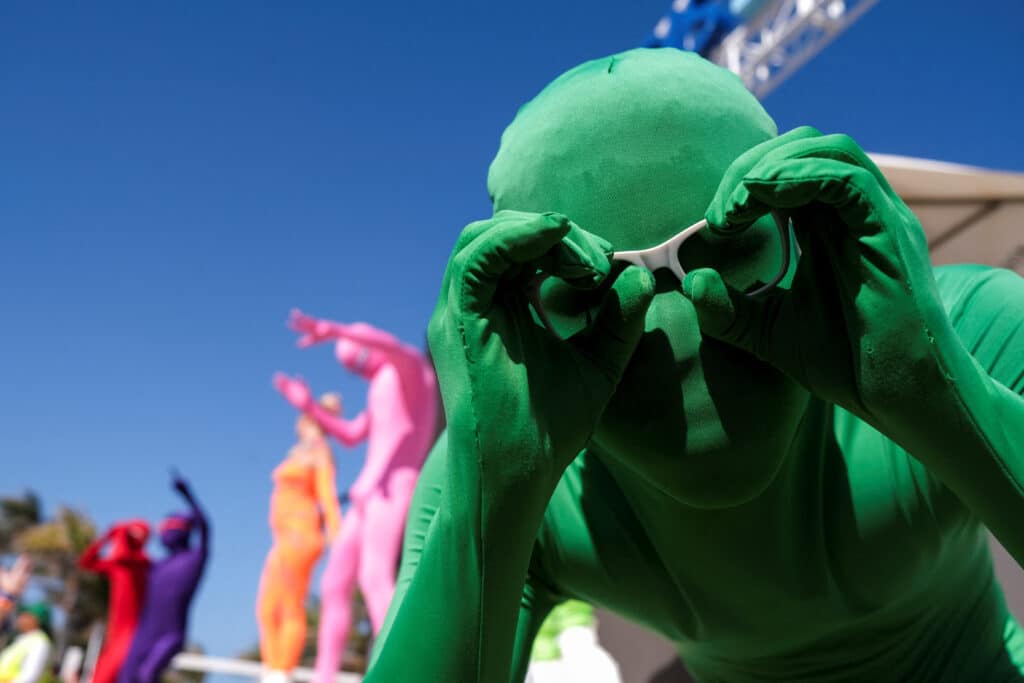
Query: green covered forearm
{"points": [[457, 621], [863, 325], [972, 437], [520, 406]]}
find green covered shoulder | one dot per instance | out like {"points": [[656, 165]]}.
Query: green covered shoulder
{"points": [[986, 306]]}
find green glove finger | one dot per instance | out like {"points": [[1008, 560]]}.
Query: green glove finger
{"points": [[581, 259], [774, 326], [767, 326], [858, 197], [832, 170], [610, 341], [730, 316], [469, 235], [474, 230], [837, 146], [547, 241], [513, 240], [444, 321], [466, 237], [724, 214]]}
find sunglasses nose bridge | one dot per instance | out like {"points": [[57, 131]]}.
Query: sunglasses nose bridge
{"points": [[670, 250], [664, 256], [677, 268], [631, 257]]}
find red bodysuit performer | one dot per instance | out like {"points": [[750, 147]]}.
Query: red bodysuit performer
{"points": [[126, 568]]}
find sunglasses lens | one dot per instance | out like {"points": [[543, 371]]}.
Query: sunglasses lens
{"points": [[745, 260]]}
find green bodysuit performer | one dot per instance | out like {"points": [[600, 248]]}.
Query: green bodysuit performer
{"points": [[792, 486]]}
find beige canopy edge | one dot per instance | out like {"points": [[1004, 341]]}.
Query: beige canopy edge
{"points": [[970, 214]]}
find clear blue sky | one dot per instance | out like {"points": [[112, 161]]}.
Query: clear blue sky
{"points": [[175, 176]]}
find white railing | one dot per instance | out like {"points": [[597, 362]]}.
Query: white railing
{"points": [[187, 661]]}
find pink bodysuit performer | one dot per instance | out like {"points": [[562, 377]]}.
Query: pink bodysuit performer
{"points": [[399, 424]]}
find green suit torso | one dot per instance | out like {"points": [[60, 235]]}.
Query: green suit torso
{"points": [[721, 498], [855, 564]]}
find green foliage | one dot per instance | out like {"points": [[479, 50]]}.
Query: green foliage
{"points": [[54, 544], [49, 677], [16, 515]]}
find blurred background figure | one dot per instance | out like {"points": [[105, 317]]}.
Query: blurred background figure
{"points": [[172, 584], [26, 659], [71, 665], [566, 649], [303, 509], [126, 567], [12, 584], [399, 424]]}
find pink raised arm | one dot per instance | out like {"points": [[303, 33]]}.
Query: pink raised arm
{"points": [[348, 432], [294, 390], [315, 331]]}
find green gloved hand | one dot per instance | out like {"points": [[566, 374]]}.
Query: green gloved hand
{"points": [[862, 325], [522, 404]]}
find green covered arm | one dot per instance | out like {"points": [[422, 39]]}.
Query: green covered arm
{"points": [[520, 406], [863, 325], [537, 598]]}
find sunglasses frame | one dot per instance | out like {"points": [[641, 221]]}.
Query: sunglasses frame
{"points": [[666, 255]]}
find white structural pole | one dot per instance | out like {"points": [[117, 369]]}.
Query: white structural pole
{"points": [[92, 651]]}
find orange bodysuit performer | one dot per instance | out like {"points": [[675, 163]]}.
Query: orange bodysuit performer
{"points": [[303, 509]]}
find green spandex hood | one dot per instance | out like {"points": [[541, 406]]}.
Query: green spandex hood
{"points": [[632, 147]]}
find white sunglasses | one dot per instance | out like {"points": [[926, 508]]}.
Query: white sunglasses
{"points": [[666, 255]]}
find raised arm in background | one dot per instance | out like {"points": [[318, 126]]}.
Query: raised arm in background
{"points": [[349, 432]]}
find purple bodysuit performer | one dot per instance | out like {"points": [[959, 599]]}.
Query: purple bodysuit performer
{"points": [[172, 583]]}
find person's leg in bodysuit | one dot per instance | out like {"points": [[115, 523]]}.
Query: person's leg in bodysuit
{"points": [[113, 654], [283, 596], [337, 587], [386, 511], [268, 606], [159, 657], [298, 568]]}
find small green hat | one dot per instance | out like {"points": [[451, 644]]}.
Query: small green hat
{"points": [[40, 610]]}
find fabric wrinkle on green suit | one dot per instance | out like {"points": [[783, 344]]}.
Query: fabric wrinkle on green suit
{"points": [[791, 487]]}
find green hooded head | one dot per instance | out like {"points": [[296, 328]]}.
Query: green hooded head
{"points": [[40, 611], [632, 148]]}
